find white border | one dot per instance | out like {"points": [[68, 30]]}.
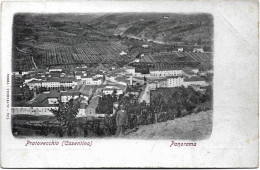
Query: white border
{"points": [[234, 140]]}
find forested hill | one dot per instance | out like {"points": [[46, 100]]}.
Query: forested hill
{"points": [[165, 27]]}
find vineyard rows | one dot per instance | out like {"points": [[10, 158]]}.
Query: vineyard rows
{"points": [[96, 52], [177, 57]]}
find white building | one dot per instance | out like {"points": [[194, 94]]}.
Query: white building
{"points": [[130, 70], [165, 72], [198, 50], [180, 49], [175, 81], [78, 76], [89, 80], [38, 110], [53, 83], [123, 53], [55, 69], [145, 46], [196, 80], [110, 89], [67, 96], [31, 79]]}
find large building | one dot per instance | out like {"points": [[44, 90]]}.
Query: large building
{"points": [[164, 70], [89, 80], [119, 89], [53, 83], [175, 81], [45, 102], [196, 80]]}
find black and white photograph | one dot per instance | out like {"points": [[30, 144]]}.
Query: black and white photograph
{"points": [[129, 84], [127, 75]]}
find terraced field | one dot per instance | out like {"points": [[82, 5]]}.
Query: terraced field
{"points": [[180, 59], [86, 53]]}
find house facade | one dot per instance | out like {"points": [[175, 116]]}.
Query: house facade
{"points": [[165, 73], [175, 81]]}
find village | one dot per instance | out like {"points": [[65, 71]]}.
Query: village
{"points": [[72, 75], [49, 86]]}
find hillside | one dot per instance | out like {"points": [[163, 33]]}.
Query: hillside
{"points": [[74, 39], [159, 26], [191, 127], [48, 38]]}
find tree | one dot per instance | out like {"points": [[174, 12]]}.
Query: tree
{"points": [[156, 107], [114, 93], [66, 116], [145, 79]]}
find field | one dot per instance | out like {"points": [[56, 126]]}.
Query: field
{"points": [[24, 63], [73, 40], [180, 60], [87, 53]]}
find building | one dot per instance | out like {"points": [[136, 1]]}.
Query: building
{"points": [[45, 102], [42, 105], [198, 50], [89, 80], [102, 67], [174, 81], [110, 89], [199, 88], [67, 96], [162, 83], [145, 46], [31, 79], [196, 80], [91, 110], [164, 72], [78, 76], [53, 83], [188, 73], [82, 110], [180, 49], [55, 69], [130, 69], [36, 110]]}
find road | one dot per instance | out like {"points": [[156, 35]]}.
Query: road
{"points": [[145, 96]]}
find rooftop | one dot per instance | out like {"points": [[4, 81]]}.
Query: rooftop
{"points": [[52, 94], [195, 78], [70, 93]]}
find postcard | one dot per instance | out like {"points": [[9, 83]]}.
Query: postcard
{"points": [[129, 84]]}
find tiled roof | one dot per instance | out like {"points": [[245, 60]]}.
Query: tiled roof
{"points": [[36, 104], [44, 96], [54, 94], [70, 93], [174, 77], [35, 81]]}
